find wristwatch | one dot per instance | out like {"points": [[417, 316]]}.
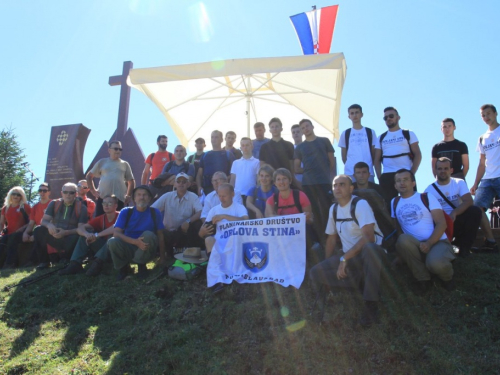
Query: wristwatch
{"points": [[342, 259], [188, 221]]}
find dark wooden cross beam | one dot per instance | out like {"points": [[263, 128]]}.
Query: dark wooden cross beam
{"points": [[121, 127]]}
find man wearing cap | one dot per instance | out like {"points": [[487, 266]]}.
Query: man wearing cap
{"points": [[181, 217], [138, 232], [116, 178]]}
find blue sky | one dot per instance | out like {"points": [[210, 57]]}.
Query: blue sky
{"points": [[431, 59]]}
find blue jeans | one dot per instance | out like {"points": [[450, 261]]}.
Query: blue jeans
{"points": [[487, 190]]}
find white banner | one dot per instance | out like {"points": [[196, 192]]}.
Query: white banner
{"points": [[260, 250]]}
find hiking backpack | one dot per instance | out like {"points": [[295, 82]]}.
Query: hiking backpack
{"points": [[369, 134], [406, 134], [296, 201]]}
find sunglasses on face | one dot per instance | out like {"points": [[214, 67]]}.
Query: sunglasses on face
{"points": [[108, 203], [116, 148], [15, 194], [42, 190], [69, 192], [83, 187], [388, 116]]}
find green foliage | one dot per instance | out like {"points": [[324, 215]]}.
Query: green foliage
{"points": [[82, 325], [12, 171]]}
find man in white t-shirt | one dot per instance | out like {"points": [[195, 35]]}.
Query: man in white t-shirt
{"points": [[212, 199], [423, 244], [399, 149], [226, 211], [488, 173], [244, 170], [362, 254], [456, 200], [358, 143]]}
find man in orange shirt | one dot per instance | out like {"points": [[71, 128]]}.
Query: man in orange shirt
{"points": [[156, 161]]}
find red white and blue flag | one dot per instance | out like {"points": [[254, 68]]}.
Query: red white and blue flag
{"points": [[315, 29]]}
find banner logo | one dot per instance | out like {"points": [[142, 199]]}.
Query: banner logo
{"points": [[62, 137], [255, 255]]}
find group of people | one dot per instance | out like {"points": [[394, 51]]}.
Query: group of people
{"points": [[180, 200]]}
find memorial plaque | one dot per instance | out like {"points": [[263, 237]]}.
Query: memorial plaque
{"points": [[65, 157]]}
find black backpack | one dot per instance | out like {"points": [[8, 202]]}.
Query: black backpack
{"points": [[168, 166], [382, 217], [296, 201], [406, 134]]}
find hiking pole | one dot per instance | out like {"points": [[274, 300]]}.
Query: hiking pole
{"points": [[164, 272], [33, 280]]}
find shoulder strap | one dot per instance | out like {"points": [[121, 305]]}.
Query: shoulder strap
{"points": [[153, 216], [369, 135], [395, 204], [382, 136], [168, 166], [276, 198], [25, 215], [481, 140], [170, 156], [186, 166], [296, 199], [425, 200], [334, 213], [354, 202], [347, 136], [57, 206], [255, 193], [152, 157], [129, 214], [406, 134], [443, 196]]}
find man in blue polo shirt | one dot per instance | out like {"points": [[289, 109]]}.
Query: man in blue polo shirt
{"points": [[137, 234]]}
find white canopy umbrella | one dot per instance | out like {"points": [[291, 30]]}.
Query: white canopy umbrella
{"points": [[234, 94]]}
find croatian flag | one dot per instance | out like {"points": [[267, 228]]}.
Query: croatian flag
{"points": [[315, 29]]}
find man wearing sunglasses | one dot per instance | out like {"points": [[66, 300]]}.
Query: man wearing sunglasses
{"points": [[60, 222], [116, 178], [39, 252], [399, 149]]}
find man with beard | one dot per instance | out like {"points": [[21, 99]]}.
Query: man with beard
{"points": [[399, 150], [155, 162], [456, 200], [138, 232]]}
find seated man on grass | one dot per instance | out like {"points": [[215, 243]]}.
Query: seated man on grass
{"points": [[226, 211], [94, 237], [59, 225], [361, 257], [138, 232], [181, 216]]}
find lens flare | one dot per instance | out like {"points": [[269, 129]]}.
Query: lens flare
{"points": [[200, 23], [285, 311]]}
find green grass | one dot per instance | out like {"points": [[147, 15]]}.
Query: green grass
{"points": [[81, 325]]}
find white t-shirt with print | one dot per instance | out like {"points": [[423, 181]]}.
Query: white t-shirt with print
{"points": [[394, 143], [491, 148], [454, 190], [348, 231], [358, 149], [414, 218]]}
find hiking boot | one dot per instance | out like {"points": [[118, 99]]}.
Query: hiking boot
{"points": [[463, 252], [95, 268], [449, 285], [422, 287], [142, 271], [370, 314], [486, 247], [123, 272], [43, 266], [219, 287], [73, 268]]}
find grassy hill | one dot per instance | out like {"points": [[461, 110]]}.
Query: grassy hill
{"points": [[81, 325]]}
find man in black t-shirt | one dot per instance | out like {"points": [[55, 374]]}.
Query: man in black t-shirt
{"points": [[452, 149]]}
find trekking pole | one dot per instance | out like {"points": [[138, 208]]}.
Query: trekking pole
{"points": [[33, 280], [164, 272]]}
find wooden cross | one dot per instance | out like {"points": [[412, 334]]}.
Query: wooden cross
{"points": [[121, 127]]}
